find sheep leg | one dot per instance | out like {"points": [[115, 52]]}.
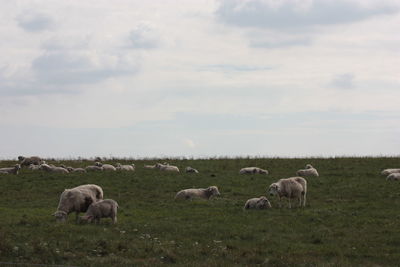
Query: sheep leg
{"points": [[304, 199], [114, 219]]}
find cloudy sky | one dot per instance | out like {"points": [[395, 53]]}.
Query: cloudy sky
{"points": [[130, 78]]}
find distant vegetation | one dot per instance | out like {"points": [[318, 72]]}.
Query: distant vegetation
{"points": [[351, 219]]}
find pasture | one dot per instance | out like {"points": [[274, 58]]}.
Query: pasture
{"points": [[351, 219]]}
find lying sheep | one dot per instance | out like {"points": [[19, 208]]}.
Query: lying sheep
{"points": [[308, 171], [77, 200], [52, 168], [252, 170], [106, 208], [294, 187], [205, 193], [106, 167], [34, 167], [125, 167], [71, 169], [11, 170], [167, 167], [191, 170], [30, 160], [257, 203], [390, 171], [393, 177], [93, 168], [149, 166]]}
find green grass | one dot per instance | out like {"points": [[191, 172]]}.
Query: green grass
{"points": [[351, 219]]}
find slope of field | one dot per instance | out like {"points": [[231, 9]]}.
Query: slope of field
{"points": [[351, 218]]}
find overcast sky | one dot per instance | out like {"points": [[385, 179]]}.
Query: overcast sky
{"points": [[129, 78]]}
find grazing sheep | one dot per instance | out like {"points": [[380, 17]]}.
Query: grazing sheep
{"points": [[106, 208], [106, 167], [30, 160], [93, 168], [205, 193], [390, 171], [167, 167], [71, 169], [11, 170], [77, 199], [308, 171], [125, 167], [52, 168], [149, 166], [257, 203], [393, 177], [294, 187], [252, 170], [191, 170]]}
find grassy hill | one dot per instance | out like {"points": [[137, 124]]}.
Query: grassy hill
{"points": [[352, 216]]}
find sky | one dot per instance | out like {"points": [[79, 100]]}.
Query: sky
{"points": [[199, 78]]}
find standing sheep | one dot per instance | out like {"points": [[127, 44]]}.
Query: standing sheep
{"points": [[77, 200], [106, 208], [308, 171], [11, 170], [205, 193], [253, 170], [257, 203], [291, 188]]}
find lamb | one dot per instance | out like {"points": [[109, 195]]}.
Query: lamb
{"points": [[167, 167], [191, 170], [125, 167], [77, 200], [205, 193], [393, 177], [390, 171], [106, 208], [257, 203], [106, 167], [11, 170], [30, 160], [93, 168], [52, 168], [294, 187], [252, 170], [71, 169], [308, 171]]}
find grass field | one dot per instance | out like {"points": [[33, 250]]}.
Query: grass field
{"points": [[351, 219]]}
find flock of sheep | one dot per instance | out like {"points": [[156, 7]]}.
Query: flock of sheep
{"points": [[89, 198]]}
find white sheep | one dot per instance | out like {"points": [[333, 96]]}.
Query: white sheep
{"points": [[11, 170], [77, 199], [393, 177], [252, 170], [291, 188], [151, 167], [390, 171], [106, 208], [166, 167], [34, 167], [191, 170], [308, 171], [106, 167], [30, 160], [93, 168], [72, 169], [205, 193], [52, 168], [121, 167], [257, 203]]}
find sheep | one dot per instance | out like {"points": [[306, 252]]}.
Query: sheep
{"points": [[77, 200], [167, 167], [191, 170], [294, 187], [93, 168], [390, 171], [11, 170], [205, 193], [71, 169], [308, 171], [106, 167], [257, 203], [149, 166], [106, 208], [34, 167], [52, 168], [252, 170], [393, 177], [125, 167], [30, 160]]}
